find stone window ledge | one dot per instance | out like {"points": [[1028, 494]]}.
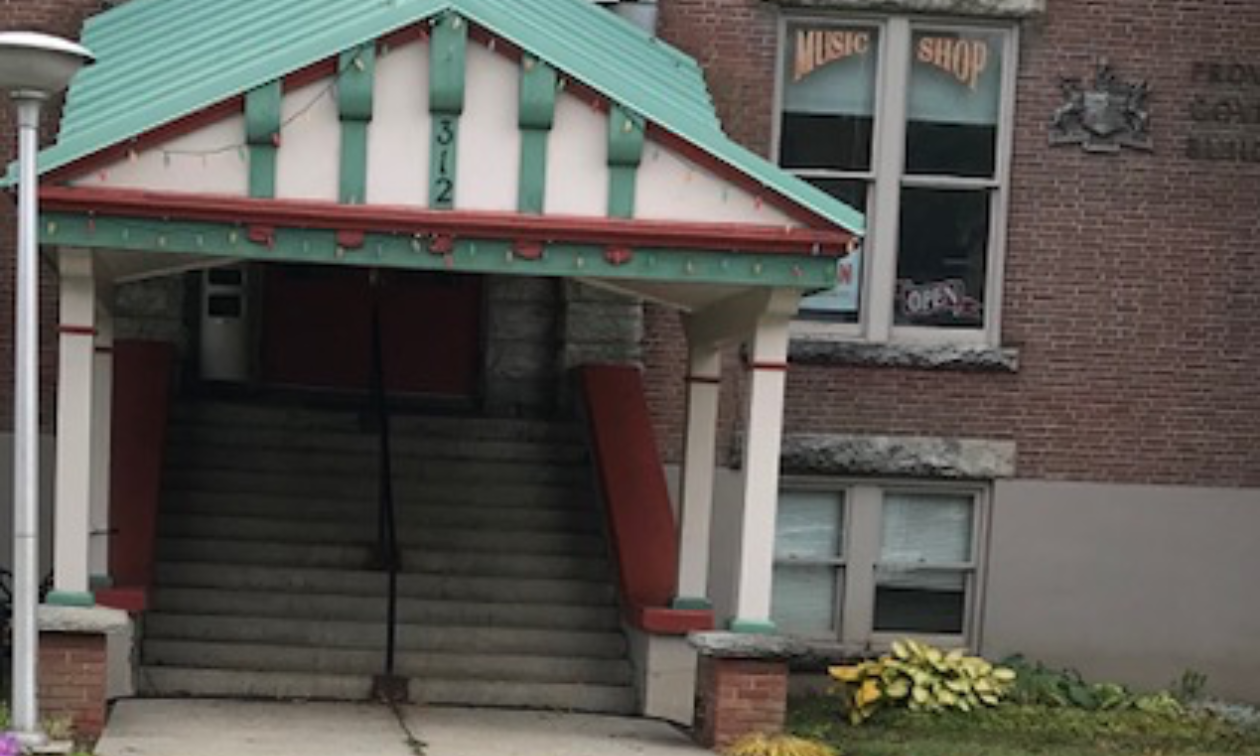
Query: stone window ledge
{"points": [[821, 351], [836, 454], [982, 8]]}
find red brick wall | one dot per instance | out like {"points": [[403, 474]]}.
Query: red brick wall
{"points": [[738, 697], [1130, 279], [63, 18], [72, 680]]}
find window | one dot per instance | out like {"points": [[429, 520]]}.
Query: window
{"points": [[865, 564], [907, 121]]}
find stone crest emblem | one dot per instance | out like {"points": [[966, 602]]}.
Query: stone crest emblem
{"points": [[1104, 117]]}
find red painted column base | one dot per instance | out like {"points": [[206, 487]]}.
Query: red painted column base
{"points": [[738, 697], [72, 681]]}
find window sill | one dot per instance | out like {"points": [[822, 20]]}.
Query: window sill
{"points": [[967, 357], [980, 8]]}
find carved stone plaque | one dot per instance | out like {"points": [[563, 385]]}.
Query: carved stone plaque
{"points": [[1105, 116]]}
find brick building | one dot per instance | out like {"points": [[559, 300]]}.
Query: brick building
{"points": [[1024, 422]]}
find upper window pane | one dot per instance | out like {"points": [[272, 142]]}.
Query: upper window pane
{"points": [[927, 529], [829, 97], [954, 103], [810, 525]]}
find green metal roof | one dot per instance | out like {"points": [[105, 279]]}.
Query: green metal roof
{"points": [[160, 60]]}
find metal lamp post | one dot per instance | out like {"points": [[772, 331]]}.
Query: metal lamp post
{"points": [[33, 67]]}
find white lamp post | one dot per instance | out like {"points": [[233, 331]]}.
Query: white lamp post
{"points": [[33, 67]]}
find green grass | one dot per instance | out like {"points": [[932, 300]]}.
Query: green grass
{"points": [[1021, 731]]}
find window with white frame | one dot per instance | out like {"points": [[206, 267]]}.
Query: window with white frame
{"points": [[865, 564], [909, 122]]}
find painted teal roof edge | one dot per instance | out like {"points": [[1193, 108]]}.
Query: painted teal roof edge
{"points": [[668, 88]]}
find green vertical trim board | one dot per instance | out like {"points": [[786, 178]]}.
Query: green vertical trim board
{"points": [[625, 152], [537, 115], [357, 69], [448, 49], [262, 134]]}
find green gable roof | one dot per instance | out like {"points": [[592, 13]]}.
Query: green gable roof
{"points": [[160, 60]]}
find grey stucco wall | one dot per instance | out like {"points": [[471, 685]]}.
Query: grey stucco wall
{"points": [[1132, 583]]}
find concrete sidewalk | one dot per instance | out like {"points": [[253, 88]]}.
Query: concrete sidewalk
{"points": [[245, 728]]}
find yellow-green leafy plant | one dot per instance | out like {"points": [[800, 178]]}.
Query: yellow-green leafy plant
{"points": [[921, 678], [778, 745]]}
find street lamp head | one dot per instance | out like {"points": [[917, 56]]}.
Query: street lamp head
{"points": [[38, 65]]}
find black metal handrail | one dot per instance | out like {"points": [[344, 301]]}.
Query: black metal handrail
{"points": [[387, 530]]}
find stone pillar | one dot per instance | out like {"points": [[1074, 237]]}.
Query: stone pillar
{"points": [[741, 686], [759, 497], [73, 665], [72, 510], [704, 389], [102, 427]]}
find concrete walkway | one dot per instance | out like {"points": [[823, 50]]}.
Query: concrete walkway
{"points": [[244, 728]]}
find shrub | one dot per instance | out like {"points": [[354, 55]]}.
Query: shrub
{"points": [[778, 745], [1039, 685], [921, 678]]}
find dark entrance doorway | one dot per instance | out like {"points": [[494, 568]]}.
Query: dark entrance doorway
{"points": [[317, 329]]}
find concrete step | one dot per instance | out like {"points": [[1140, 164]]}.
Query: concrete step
{"points": [[194, 438], [350, 513], [603, 699], [354, 583], [411, 535], [351, 420], [216, 683], [503, 668], [429, 612], [365, 635], [350, 556], [364, 488], [173, 682], [366, 466]]}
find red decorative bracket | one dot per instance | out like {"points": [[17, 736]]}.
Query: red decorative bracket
{"points": [[442, 244], [528, 250], [618, 255], [262, 235], [350, 239]]}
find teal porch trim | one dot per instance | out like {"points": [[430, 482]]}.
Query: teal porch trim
{"points": [[70, 598], [686, 603], [625, 152], [412, 252], [448, 49], [357, 69], [262, 134], [753, 627], [537, 115]]}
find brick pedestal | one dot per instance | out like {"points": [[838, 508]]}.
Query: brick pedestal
{"points": [[72, 680], [736, 697], [73, 665]]}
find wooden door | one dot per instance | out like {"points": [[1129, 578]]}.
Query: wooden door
{"points": [[317, 330]]}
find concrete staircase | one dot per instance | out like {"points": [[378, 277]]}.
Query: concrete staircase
{"points": [[267, 534]]}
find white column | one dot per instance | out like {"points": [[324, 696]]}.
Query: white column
{"points": [[704, 389], [73, 500], [767, 352], [102, 429]]}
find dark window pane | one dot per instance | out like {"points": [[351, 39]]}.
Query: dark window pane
{"points": [[828, 97], [226, 276], [843, 303], [224, 306], [841, 143], [947, 149], [907, 609], [942, 259], [954, 103]]}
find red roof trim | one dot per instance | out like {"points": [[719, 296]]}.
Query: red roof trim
{"points": [[546, 229]]}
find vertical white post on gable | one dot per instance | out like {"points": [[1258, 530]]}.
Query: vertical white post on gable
{"points": [[75, 368], [695, 512], [767, 352], [102, 430]]}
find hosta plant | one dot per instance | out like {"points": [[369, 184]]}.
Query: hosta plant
{"points": [[778, 745], [921, 678]]}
